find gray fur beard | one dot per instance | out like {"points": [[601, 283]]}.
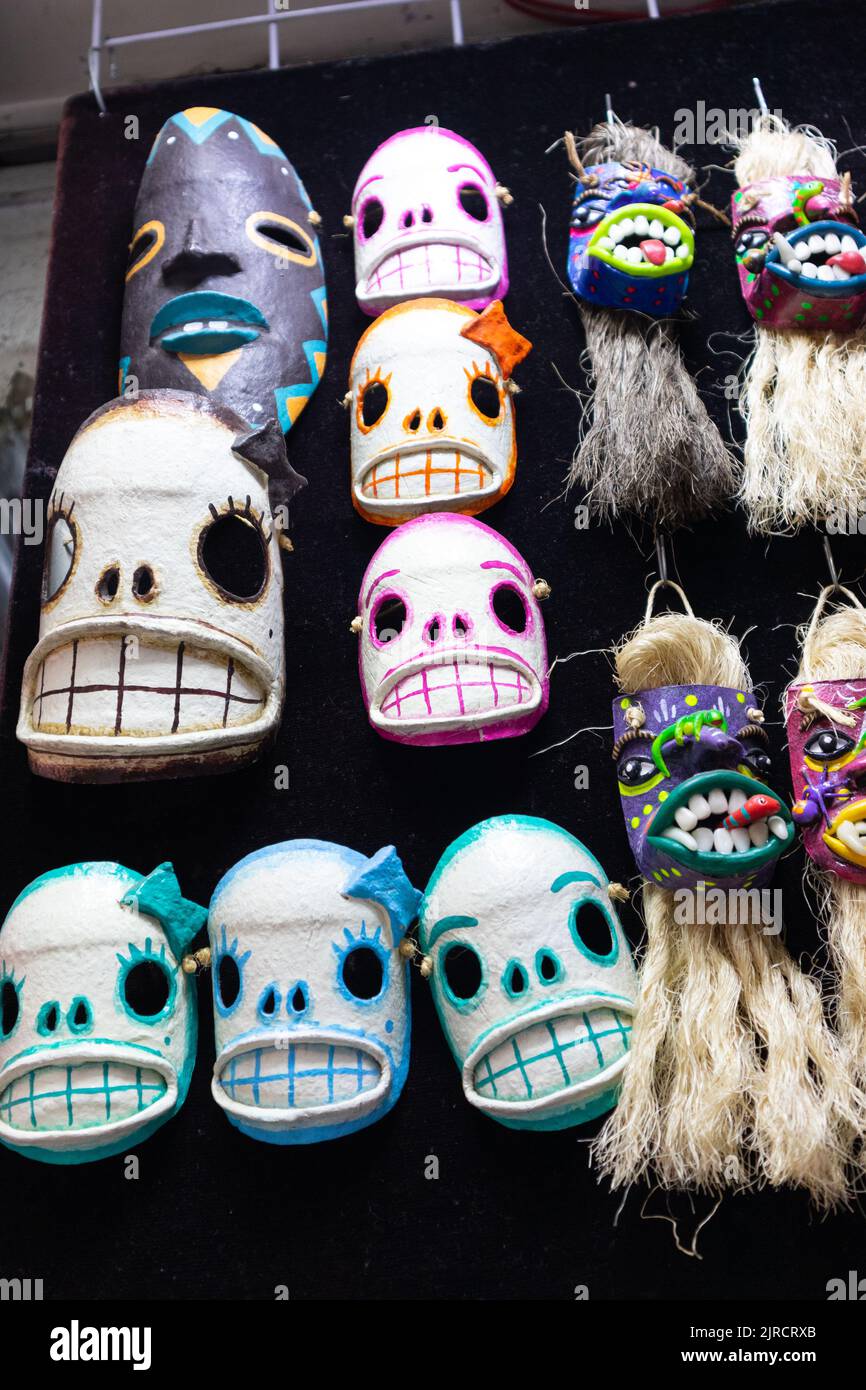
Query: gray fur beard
{"points": [[650, 447]]}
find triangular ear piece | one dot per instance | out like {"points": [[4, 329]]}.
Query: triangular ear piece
{"points": [[382, 879], [265, 448], [492, 330], [159, 896]]}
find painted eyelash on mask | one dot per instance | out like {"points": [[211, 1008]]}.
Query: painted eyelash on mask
{"points": [[246, 513]]}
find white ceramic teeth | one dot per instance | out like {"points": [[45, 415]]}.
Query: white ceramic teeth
{"points": [[718, 802], [741, 839], [619, 241], [679, 837], [699, 806], [693, 830], [703, 838], [759, 834], [671, 235], [736, 799], [799, 257], [722, 841], [778, 827], [851, 833], [685, 819]]}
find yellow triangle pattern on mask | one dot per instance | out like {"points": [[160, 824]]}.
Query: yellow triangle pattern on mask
{"points": [[197, 115], [210, 370]]}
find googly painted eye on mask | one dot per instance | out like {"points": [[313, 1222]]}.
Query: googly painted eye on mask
{"points": [[826, 745]]}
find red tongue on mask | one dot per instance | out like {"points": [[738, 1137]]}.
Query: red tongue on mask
{"points": [[852, 261], [654, 251]]}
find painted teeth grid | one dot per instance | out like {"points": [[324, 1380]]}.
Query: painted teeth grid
{"points": [[424, 480], [431, 691], [79, 1096], [301, 1075], [419, 267], [70, 678], [534, 1062]]}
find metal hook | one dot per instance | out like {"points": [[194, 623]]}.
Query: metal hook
{"points": [[759, 93], [662, 558], [831, 564], [609, 116], [552, 147]]}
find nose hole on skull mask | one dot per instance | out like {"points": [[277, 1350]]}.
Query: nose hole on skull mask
{"points": [[547, 967], [49, 1017], [80, 1015], [413, 421], [144, 584], [461, 625], [269, 1003], [108, 584], [436, 420], [427, 214], [433, 630], [407, 220], [515, 980], [298, 1000]]}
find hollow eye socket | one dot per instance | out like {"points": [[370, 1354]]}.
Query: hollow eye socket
{"points": [[143, 243], [362, 972], [591, 932], [59, 557], [281, 236], [233, 555], [509, 607], [389, 618], [227, 981], [635, 769], [371, 218], [461, 965], [485, 397], [146, 989], [826, 745], [10, 1008], [474, 202], [374, 403]]}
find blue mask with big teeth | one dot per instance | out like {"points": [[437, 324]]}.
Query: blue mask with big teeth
{"points": [[692, 766], [632, 242]]}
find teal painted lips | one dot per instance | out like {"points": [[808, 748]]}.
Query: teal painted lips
{"points": [[205, 323], [712, 862]]}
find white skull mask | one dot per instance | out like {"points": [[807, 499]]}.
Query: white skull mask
{"points": [[160, 645], [432, 419], [452, 645], [311, 1005], [427, 220], [532, 976], [98, 1019]]}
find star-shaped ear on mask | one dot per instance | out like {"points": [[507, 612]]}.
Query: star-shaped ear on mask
{"points": [[382, 879], [159, 896], [492, 330], [265, 449]]}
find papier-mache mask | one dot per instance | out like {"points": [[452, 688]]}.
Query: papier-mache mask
{"points": [[532, 976], [160, 647], [225, 291], [692, 764], [311, 998], [452, 644], [432, 419], [632, 243], [427, 221], [800, 254], [98, 1035], [827, 746]]}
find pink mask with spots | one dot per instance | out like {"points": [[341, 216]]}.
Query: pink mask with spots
{"points": [[452, 639], [427, 221], [800, 255]]}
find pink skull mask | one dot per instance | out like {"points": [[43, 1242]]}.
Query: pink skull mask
{"points": [[452, 638], [428, 222]]}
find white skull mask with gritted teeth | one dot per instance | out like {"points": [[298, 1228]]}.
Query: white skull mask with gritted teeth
{"points": [[532, 976], [98, 1033], [432, 420], [427, 220], [160, 646], [452, 640], [311, 1007]]}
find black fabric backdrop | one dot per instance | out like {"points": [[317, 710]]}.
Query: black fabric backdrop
{"points": [[214, 1215]]}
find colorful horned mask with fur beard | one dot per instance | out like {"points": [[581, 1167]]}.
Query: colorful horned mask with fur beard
{"points": [[693, 768], [825, 712], [650, 446], [801, 260], [734, 1076]]}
